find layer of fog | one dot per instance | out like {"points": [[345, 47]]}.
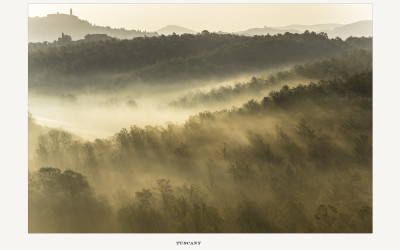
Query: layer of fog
{"points": [[292, 161], [102, 113]]}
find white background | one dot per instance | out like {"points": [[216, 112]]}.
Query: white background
{"points": [[14, 148]]}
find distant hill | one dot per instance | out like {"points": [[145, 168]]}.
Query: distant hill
{"points": [[314, 27], [361, 28], [265, 31], [357, 29], [170, 29], [49, 28]]}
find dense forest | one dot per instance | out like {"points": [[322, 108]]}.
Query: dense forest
{"points": [[297, 160], [332, 68], [170, 59]]}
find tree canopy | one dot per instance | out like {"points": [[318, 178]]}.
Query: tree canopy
{"points": [[182, 58]]}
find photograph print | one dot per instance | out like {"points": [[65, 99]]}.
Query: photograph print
{"points": [[200, 118]]}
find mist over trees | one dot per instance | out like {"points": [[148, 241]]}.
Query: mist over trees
{"points": [[336, 67], [138, 132], [299, 160]]}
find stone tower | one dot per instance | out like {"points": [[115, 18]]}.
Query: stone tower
{"points": [[70, 12]]}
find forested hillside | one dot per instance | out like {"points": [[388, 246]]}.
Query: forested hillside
{"points": [[335, 67], [299, 160], [171, 59], [268, 130]]}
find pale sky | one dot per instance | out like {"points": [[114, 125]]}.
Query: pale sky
{"points": [[212, 17]]}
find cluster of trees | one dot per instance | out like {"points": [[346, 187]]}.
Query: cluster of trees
{"points": [[335, 67], [300, 160], [180, 58], [64, 202], [67, 40]]}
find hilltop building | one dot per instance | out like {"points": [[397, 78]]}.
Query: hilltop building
{"points": [[58, 14], [64, 39]]}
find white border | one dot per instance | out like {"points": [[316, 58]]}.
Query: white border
{"points": [[13, 148]]}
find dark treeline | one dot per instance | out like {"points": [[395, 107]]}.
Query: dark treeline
{"points": [[298, 161], [336, 67], [179, 58]]}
